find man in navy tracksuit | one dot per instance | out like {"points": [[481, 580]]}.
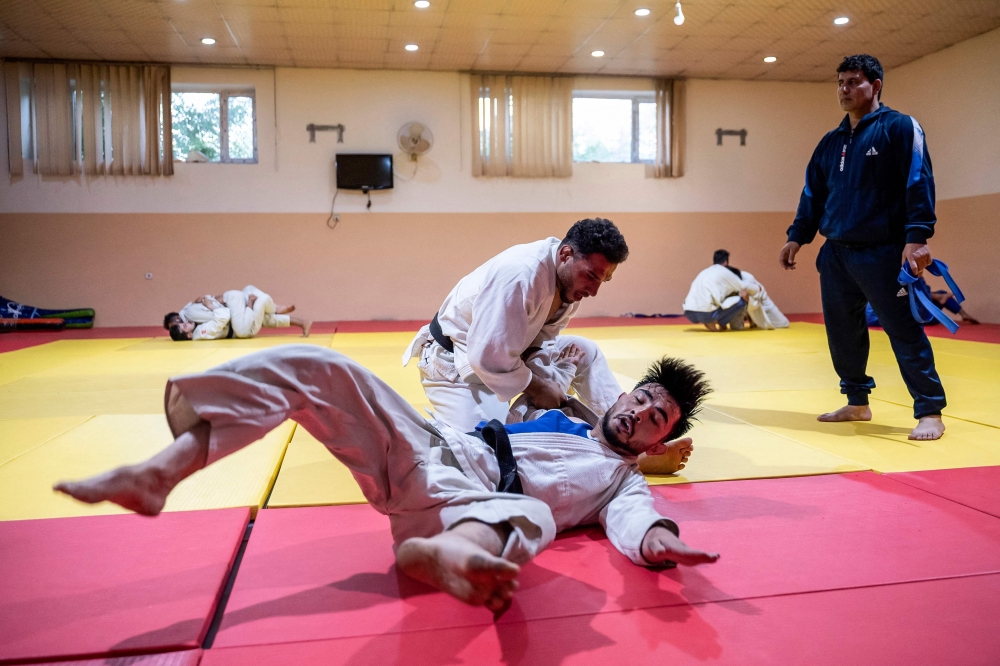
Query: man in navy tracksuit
{"points": [[870, 191]]}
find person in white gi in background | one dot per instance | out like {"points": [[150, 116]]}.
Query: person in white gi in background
{"points": [[718, 297], [761, 309], [249, 310], [465, 509], [497, 333]]}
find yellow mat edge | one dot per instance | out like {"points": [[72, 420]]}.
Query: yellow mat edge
{"points": [[269, 488]]}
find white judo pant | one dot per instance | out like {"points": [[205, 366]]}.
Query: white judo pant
{"points": [[462, 404], [404, 464], [247, 321]]}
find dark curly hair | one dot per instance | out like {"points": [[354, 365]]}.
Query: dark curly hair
{"points": [[177, 335], [867, 65], [597, 235], [168, 319], [720, 257], [686, 385]]}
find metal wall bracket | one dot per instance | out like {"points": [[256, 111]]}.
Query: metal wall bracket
{"points": [[312, 129], [719, 133]]}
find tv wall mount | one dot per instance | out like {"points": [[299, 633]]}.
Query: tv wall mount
{"points": [[719, 133], [312, 128]]}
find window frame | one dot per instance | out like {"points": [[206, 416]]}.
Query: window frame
{"points": [[637, 97], [224, 93]]}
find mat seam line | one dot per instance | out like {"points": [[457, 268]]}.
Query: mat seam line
{"points": [[628, 610], [923, 490], [277, 470], [58, 434], [227, 590], [950, 416]]}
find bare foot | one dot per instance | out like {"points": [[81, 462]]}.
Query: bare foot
{"points": [[455, 565], [284, 309], [712, 326], [306, 325], [670, 462], [141, 490], [661, 546], [928, 427], [847, 413]]}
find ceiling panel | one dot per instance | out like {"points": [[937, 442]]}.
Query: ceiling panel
{"points": [[719, 39]]}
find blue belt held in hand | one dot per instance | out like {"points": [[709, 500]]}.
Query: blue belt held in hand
{"points": [[922, 306]]}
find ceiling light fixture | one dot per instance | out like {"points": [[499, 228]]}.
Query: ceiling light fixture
{"points": [[642, 12], [421, 4], [597, 54], [770, 59], [207, 41], [679, 19], [841, 20], [411, 47]]}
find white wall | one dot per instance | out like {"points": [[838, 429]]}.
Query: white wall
{"points": [[955, 95], [784, 122]]}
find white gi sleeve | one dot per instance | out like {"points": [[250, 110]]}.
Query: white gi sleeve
{"points": [[630, 514], [215, 329], [495, 338]]}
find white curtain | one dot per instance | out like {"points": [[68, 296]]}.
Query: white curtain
{"points": [[670, 104], [92, 119], [522, 126]]}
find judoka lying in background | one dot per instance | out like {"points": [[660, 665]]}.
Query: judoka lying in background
{"points": [[497, 332], [465, 509], [235, 314]]}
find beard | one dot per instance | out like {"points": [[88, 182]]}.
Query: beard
{"points": [[611, 435]]}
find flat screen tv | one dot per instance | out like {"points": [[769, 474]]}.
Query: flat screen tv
{"points": [[357, 171]]}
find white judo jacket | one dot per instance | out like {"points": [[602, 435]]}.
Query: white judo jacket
{"points": [[713, 286], [496, 312]]}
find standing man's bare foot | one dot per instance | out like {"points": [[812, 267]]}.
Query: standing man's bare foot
{"points": [[928, 428], [284, 309], [847, 413], [460, 567], [142, 491], [670, 462]]}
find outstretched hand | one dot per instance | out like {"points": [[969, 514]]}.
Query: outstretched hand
{"points": [[787, 256], [660, 546], [918, 256]]}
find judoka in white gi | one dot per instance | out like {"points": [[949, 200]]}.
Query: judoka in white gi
{"points": [[453, 525], [497, 333], [722, 295], [234, 314]]}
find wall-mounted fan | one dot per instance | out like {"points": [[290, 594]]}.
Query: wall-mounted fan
{"points": [[414, 139]]}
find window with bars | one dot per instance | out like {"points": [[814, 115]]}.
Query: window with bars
{"points": [[221, 124], [614, 126]]}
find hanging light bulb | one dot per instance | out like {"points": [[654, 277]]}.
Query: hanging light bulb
{"points": [[679, 19]]}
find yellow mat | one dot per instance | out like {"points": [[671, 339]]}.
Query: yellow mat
{"points": [[107, 441], [311, 476], [23, 362], [727, 449], [881, 444], [21, 435], [382, 354]]}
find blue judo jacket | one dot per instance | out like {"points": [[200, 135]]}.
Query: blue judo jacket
{"points": [[871, 186]]}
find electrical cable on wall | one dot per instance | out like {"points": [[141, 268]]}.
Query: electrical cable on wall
{"points": [[334, 218]]}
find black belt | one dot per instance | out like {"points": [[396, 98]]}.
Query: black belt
{"points": [[230, 333], [495, 436], [439, 336]]}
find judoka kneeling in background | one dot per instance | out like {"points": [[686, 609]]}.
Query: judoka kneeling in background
{"points": [[465, 509], [498, 332]]}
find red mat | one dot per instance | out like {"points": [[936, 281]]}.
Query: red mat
{"points": [[113, 585], [326, 572], [944, 622], [978, 487], [181, 658]]}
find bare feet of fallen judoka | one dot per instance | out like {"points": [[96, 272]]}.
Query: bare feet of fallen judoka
{"points": [[670, 462], [143, 488], [928, 428], [304, 324], [284, 309], [464, 562], [847, 413]]}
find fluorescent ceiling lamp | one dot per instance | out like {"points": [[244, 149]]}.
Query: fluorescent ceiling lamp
{"points": [[421, 4], [770, 59], [411, 47], [642, 12], [597, 54], [207, 41], [841, 20], [679, 19]]}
